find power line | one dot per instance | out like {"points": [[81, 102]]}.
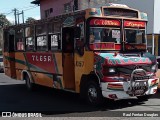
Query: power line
{"points": [[8, 13], [30, 8]]}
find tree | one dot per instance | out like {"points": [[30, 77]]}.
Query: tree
{"points": [[4, 21], [30, 20]]}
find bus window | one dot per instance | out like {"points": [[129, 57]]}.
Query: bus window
{"points": [[54, 42], [30, 41], [19, 39], [95, 35], [57, 27], [6, 38], [50, 28], [104, 35], [41, 37], [54, 38], [111, 35], [135, 36]]}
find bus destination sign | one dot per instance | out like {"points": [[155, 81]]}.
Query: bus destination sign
{"points": [[120, 12], [134, 24], [105, 22]]}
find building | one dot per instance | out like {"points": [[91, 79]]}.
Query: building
{"points": [[51, 8]]}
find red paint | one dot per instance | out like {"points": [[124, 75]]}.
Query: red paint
{"points": [[103, 46], [109, 79], [43, 61]]}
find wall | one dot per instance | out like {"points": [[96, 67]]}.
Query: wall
{"points": [[57, 5], [156, 17]]}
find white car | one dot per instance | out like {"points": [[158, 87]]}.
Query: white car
{"points": [[1, 64]]}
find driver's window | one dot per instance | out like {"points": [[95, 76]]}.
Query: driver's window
{"points": [[130, 36], [135, 36], [140, 37]]}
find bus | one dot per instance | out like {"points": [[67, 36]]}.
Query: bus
{"points": [[97, 52]]}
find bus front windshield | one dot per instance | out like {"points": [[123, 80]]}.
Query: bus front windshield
{"points": [[135, 36], [103, 34]]}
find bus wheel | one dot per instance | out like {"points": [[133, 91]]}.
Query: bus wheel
{"points": [[29, 85], [93, 93]]}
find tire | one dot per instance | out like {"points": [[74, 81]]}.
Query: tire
{"points": [[93, 93], [29, 84], [143, 98]]}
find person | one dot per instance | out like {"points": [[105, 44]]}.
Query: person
{"points": [[92, 38], [107, 36]]}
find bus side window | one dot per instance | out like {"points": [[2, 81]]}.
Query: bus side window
{"points": [[19, 40], [54, 41], [29, 37], [41, 37], [54, 38], [6, 40]]}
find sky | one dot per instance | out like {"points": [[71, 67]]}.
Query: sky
{"points": [[30, 10]]}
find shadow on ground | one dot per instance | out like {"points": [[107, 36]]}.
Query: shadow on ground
{"points": [[52, 102]]}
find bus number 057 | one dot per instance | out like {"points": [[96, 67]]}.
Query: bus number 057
{"points": [[79, 63]]}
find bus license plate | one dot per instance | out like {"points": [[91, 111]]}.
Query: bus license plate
{"points": [[139, 92]]}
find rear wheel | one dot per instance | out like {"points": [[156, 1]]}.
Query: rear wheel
{"points": [[93, 93], [29, 84]]}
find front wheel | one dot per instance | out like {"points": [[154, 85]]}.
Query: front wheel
{"points": [[93, 93]]}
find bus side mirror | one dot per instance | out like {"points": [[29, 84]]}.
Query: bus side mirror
{"points": [[77, 32]]}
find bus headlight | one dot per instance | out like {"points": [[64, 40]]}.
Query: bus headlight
{"points": [[154, 68], [112, 70]]}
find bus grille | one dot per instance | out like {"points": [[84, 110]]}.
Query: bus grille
{"points": [[127, 70]]}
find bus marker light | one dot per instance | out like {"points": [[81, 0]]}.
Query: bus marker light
{"points": [[113, 96]]}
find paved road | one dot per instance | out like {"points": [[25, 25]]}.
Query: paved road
{"points": [[15, 97]]}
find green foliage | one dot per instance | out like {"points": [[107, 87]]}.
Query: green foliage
{"points": [[4, 21], [30, 20]]}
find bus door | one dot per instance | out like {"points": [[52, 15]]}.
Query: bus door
{"points": [[9, 54], [68, 57]]}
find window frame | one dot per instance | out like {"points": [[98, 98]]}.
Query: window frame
{"points": [[33, 37], [40, 35], [135, 29], [23, 40]]}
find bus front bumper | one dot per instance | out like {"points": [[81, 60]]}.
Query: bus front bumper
{"points": [[120, 90]]}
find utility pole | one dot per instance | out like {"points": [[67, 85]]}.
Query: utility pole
{"points": [[15, 15], [22, 16], [20, 13]]}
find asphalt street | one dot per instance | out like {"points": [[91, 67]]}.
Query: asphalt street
{"points": [[14, 97]]}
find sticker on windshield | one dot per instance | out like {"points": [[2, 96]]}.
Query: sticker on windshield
{"points": [[115, 33]]}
